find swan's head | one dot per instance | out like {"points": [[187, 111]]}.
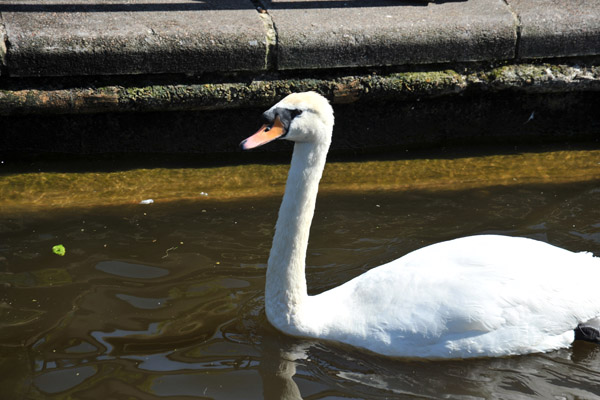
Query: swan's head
{"points": [[300, 117]]}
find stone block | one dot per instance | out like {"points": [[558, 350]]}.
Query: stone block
{"points": [[108, 37], [558, 28], [329, 34]]}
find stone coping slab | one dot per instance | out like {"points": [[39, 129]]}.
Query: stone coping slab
{"points": [[100, 37], [551, 28], [128, 37], [337, 33]]}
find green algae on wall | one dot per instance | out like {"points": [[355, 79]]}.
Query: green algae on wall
{"points": [[529, 78]]}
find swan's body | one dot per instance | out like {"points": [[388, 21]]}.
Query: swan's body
{"points": [[477, 296]]}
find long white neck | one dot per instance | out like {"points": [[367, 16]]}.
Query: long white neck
{"points": [[285, 291]]}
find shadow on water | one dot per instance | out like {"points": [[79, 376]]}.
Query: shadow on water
{"points": [[110, 162]]}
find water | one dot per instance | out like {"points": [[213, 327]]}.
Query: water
{"points": [[165, 300]]}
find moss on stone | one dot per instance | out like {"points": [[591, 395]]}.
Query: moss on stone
{"points": [[340, 89]]}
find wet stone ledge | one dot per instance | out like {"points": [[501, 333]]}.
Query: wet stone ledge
{"points": [[340, 89]]}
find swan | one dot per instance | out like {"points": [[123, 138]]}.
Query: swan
{"points": [[477, 296]]}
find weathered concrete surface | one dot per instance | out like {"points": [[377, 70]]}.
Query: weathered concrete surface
{"points": [[329, 34], [100, 37], [557, 28], [111, 37]]}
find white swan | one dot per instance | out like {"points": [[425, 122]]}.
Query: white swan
{"points": [[471, 297]]}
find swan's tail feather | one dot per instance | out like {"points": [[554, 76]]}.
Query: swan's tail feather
{"points": [[587, 333]]}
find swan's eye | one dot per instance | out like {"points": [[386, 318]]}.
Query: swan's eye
{"points": [[295, 113]]}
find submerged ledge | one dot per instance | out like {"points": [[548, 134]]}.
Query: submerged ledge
{"points": [[33, 192]]}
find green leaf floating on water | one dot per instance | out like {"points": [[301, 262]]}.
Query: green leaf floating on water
{"points": [[59, 249]]}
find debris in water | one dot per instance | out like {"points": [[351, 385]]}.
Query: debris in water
{"points": [[530, 117], [168, 250], [59, 249], [147, 201]]}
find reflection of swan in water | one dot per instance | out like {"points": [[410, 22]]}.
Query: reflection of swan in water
{"points": [[277, 369], [483, 295], [279, 383], [532, 376], [355, 374]]}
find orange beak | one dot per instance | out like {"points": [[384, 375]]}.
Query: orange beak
{"points": [[266, 134]]}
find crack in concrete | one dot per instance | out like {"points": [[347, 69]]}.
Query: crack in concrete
{"points": [[270, 35], [517, 19]]}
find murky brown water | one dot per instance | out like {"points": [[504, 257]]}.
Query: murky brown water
{"points": [[165, 300]]}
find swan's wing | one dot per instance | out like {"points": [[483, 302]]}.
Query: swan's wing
{"points": [[510, 289]]}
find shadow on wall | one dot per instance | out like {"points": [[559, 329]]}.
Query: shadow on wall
{"points": [[201, 5]]}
